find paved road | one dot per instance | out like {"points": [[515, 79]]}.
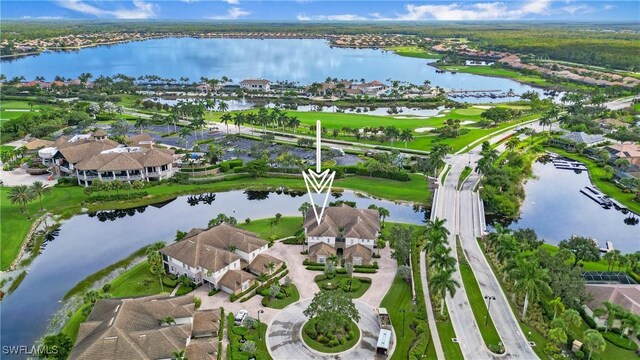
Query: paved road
{"points": [[620, 103], [285, 342], [464, 213]]}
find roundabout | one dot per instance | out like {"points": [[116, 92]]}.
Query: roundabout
{"points": [[284, 335]]}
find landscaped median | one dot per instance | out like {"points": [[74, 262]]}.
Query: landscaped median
{"points": [[335, 341], [478, 306]]}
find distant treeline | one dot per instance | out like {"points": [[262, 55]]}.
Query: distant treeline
{"points": [[612, 45]]}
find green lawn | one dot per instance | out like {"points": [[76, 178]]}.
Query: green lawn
{"points": [[132, 283], [287, 226], [414, 51], [399, 298], [598, 178], [414, 190], [235, 334], [446, 332], [478, 306], [67, 200], [294, 296], [500, 72], [72, 325], [463, 175], [364, 286]]}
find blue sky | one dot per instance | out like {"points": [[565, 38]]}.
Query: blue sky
{"points": [[316, 10]]}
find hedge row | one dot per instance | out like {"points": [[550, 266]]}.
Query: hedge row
{"points": [[118, 197], [622, 342], [234, 297]]}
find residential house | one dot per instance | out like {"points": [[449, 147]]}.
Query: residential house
{"points": [[570, 140], [133, 329], [265, 264], [256, 85], [358, 255], [629, 151], [626, 296], [217, 256], [321, 252], [341, 228]]}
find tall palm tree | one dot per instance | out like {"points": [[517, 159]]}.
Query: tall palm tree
{"points": [[383, 213], [180, 355], [434, 240], [225, 118], [531, 279], [437, 226], [611, 310], [512, 143], [441, 259], [545, 120], [22, 195], [506, 249], [557, 305], [304, 208], [593, 341], [443, 283], [406, 135], [39, 189], [238, 120], [223, 106], [293, 123], [500, 233]]}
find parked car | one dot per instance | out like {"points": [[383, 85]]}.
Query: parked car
{"points": [[240, 316]]}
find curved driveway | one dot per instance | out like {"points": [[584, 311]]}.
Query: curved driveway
{"points": [[285, 342]]}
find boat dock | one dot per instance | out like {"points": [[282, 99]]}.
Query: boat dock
{"points": [[566, 164], [597, 196]]}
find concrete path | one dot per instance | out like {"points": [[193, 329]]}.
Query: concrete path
{"points": [[284, 339], [20, 177]]}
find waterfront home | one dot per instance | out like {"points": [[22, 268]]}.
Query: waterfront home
{"points": [[358, 255], [321, 252], [217, 256], [255, 84], [570, 140], [343, 227], [94, 156], [152, 327], [627, 296]]}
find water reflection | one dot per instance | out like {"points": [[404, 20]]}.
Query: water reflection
{"points": [[297, 60], [87, 243]]}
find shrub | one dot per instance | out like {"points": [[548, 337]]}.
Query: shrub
{"points": [[344, 284], [333, 343], [622, 342], [197, 302], [213, 292], [168, 282]]}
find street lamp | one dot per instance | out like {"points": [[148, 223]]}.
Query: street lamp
{"points": [[403, 311], [259, 329], [488, 298]]}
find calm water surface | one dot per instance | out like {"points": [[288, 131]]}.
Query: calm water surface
{"points": [[88, 243], [305, 61], [555, 209]]}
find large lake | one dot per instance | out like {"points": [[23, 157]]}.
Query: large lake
{"points": [[305, 61], [88, 243], [555, 209]]}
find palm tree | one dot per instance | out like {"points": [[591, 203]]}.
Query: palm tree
{"points": [[303, 209], [593, 341], [406, 135], [293, 123], [225, 118], [167, 320], [442, 283], [611, 310], [506, 249], [545, 121], [180, 355], [512, 143], [238, 120], [437, 226], [531, 279], [557, 306], [434, 240], [223, 106], [383, 213], [23, 195], [499, 235], [440, 259], [39, 189]]}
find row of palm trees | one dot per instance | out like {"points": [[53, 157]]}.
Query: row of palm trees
{"points": [[24, 194], [274, 118], [441, 263]]}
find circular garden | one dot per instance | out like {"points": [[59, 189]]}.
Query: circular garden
{"points": [[330, 338]]}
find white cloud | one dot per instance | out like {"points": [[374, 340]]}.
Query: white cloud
{"points": [[608, 7], [477, 11], [232, 2], [338, 17], [42, 17], [232, 14], [140, 10], [578, 9]]}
